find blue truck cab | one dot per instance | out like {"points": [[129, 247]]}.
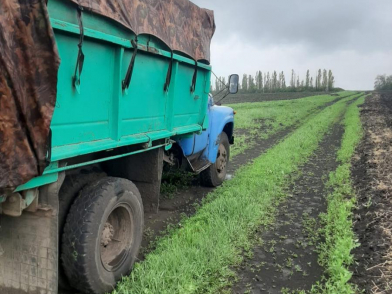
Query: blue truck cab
{"points": [[208, 153]]}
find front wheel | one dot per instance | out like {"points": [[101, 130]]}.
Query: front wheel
{"points": [[215, 174], [102, 235]]}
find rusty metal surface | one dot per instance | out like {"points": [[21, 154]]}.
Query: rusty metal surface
{"points": [[28, 80], [182, 25]]}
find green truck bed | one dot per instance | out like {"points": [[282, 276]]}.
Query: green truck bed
{"points": [[105, 116]]}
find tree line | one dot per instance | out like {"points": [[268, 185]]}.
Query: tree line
{"points": [[383, 82], [276, 82]]}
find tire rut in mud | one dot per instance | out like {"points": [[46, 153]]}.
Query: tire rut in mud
{"points": [[287, 258], [184, 201]]}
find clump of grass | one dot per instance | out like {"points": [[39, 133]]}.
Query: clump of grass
{"points": [[173, 180], [197, 257], [335, 253]]}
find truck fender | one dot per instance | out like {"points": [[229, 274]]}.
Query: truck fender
{"points": [[221, 120]]}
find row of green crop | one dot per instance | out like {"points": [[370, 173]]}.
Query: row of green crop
{"points": [[262, 119], [337, 226], [196, 258]]}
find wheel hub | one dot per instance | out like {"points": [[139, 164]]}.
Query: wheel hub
{"points": [[116, 238], [221, 160]]}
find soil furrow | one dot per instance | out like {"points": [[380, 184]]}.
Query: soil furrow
{"points": [[287, 258], [372, 179]]}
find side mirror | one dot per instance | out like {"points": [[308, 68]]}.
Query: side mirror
{"points": [[233, 83]]}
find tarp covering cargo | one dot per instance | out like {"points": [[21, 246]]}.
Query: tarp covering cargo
{"points": [[182, 25], [28, 80], [29, 64]]}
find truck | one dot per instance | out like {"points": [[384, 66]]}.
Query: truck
{"points": [[95, 98]]}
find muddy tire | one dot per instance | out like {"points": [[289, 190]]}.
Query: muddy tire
{"points": [[70, 189], [215, 174], [102, 235]]}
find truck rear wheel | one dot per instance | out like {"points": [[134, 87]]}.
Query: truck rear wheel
{"points": [[70, 189], [215, 174], [102, 235]]}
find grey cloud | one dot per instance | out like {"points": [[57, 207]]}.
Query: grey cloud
{"points": [[351, 37], [321, 25]]}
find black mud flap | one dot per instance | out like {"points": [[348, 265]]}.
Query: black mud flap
{"points": [[29, 248]]}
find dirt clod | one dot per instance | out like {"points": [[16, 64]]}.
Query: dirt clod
{"points": [[107, 234]]}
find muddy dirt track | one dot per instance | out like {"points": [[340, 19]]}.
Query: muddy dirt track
{"points": [[372, 175], [287, 257]]}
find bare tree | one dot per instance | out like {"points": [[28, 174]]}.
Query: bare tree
{"points": [[292, 81], [318, 84], [259, 80], [282, 81], [245, 83], [267, 83], [274, 84], [251, 84], [331, 81], [307, 79], [325, 80]]}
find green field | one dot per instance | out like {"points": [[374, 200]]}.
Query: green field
{"points": [[255, 121], [201, 255]]}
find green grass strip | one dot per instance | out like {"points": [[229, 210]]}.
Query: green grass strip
{"points": [[197, 257], [335, 253], [262, 119]]}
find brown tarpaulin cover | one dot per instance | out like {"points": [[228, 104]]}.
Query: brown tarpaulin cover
{"points": [[182, 25], [28, 82], [29, 63]]}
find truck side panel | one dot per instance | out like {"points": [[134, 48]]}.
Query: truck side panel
{"points": [[100, 115], [143, 107], [85, 116]]}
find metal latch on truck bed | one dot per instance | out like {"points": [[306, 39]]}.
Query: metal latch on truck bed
{"points": [[194, 79], [80, 60], [128, 76], [169, 73]]}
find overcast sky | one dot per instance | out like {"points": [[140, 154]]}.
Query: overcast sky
{"points": [[353, 38]]}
